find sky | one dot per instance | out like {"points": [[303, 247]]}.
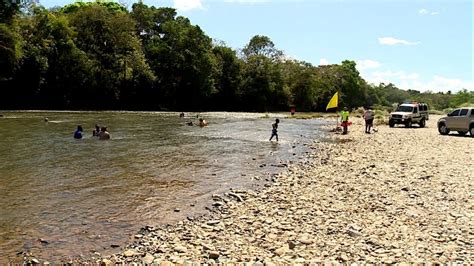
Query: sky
{"points": [[414, 44]]}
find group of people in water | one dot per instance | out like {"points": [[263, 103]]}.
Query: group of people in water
{"points": [[201, 122], [100, 132]]}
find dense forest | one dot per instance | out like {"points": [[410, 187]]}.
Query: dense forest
{"points": [[101, 55]]}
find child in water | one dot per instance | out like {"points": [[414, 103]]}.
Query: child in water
{"points": [[78, 132], [275, 129]]}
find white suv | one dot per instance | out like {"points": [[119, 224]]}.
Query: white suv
{"points": [[409, 113]]}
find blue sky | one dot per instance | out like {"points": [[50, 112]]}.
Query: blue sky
{"points": [[421, 45]]}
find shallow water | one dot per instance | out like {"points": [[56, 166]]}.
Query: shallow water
{"points": [[86, 195]]}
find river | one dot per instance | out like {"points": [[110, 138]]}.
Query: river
{"points": [[61, 197]]}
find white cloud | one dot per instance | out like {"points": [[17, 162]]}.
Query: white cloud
{"points": [[323, 62], [393, 41], [186, 5], [413, 81], [440, 83], [427, 12], [367, 64], [423, 11], [390, 76]]}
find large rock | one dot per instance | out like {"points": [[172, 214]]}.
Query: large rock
{"points": [[148, 259]]}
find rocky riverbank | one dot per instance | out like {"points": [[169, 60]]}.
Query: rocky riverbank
{"points": [[398, 195]]}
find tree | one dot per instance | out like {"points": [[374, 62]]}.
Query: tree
{"points": [[180, 55], [462, 97], [261, 46], [300, 79], [227, 76], [110, 42], [9, 51], [8, 9]]}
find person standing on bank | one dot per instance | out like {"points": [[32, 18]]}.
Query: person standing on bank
{"points": [[369, 119], [344, 120], [275, 129]]}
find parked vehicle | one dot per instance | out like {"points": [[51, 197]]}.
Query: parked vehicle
{"points": [[460, 120], [409, 113]]}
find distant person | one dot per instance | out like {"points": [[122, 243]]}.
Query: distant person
{"points": [[344, 120], [275, 130], [46, 119], [104, 134], [369, 119], [181, 115], [189, 123], [96, 131], [78, 132], [202, 122]]}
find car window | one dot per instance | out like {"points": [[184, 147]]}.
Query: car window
{"points": [[472, 112], [455, 113], [463, 112]]}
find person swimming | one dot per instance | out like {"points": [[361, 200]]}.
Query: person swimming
{"points": [[96, 131], [78, 132], [202, 122], [104, 134]]}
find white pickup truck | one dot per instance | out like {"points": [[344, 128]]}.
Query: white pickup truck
{"points": [[460, 120]]}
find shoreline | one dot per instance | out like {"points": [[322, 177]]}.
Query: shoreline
{"points": [[396, 196]]}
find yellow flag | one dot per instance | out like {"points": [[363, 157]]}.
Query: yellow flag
{"points": [[333, 102]]}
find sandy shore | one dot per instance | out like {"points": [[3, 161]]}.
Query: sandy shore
{"points": [[398, 195]]}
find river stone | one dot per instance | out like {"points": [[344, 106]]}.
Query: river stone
{"points": [[129, 253], [281, 251], [148, 259], [306, 241], [105, 262], [180, 249], [214, 255], [213, 222]]}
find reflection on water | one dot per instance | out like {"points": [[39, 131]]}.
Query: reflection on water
{"points": [[86, 195]]}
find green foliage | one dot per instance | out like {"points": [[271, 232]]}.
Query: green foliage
{"points": [[227, 76], [98, 55], [8, 10], [261, 46], [463, 98], [9, 51], [109, 5]]}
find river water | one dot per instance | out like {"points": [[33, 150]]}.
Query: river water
{"points": [[82, 196]]}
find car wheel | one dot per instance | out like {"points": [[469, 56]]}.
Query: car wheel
{"points": [[471, 131], [422, 123], [408, 123], [462, 133], [391, 123], [442, 129]]}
